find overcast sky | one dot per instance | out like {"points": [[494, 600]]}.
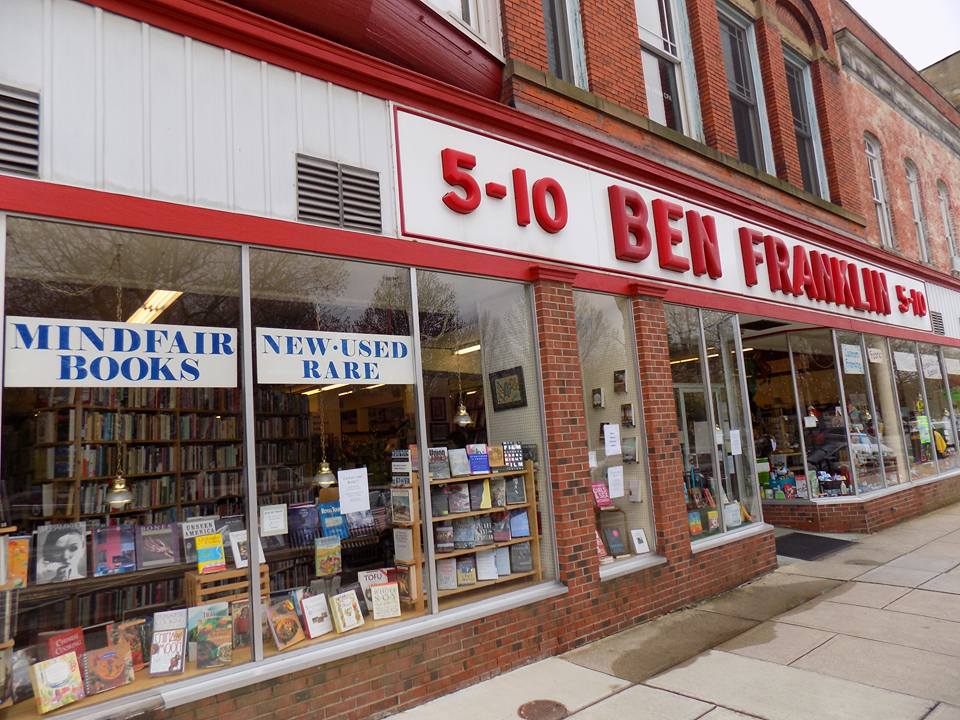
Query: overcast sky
{"points": [[923, 31]]}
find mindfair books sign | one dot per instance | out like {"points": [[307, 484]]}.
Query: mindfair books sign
{"points": [[52, 352]]}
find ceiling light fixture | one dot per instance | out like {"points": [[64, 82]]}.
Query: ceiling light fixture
{"points": [[154, 306], [467, 350]]}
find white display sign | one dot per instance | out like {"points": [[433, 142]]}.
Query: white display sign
{"points": [[875, 355], [931, 367], [615, 481], [852, 359], [611, 439], [457, 184], [592, 458], [905, 361], [736, 447], [53, 352], [273, 520], [354, 490], [304, 356]]}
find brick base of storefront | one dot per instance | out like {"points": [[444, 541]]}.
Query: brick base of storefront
{"points": [[866, 515]]}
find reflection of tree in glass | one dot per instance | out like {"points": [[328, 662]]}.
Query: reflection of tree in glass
{"points": [[299, 292], [594, 331], [439, 313], [387, 312]]}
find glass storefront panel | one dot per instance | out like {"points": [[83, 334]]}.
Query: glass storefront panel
{"points": [[951, 365], [865, 449], [913, 412], [481, 385], [886, 410], [122, 457], [824, 433], [614, 423], [940, 412]]}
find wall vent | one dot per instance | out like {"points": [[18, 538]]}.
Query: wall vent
{"points": [[936, 319], [19, 132], [330, 193]]}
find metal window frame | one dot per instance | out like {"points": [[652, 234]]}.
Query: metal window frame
{"points": [[800, 63], [879, 190], [796, 402], [854, 472], [873, 408]]}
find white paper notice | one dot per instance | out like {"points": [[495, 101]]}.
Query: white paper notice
{"points": [[273, 520], [615, 481], [735, 446], [852, 359], [611, 439], [809, 421], [354, 490], [592, 458], [875, 355]]}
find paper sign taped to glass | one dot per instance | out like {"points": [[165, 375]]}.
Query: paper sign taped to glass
{"points": [[55, 352]]}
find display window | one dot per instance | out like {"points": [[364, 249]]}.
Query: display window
{"points": [[614, 426], [866, 451], [951, 368], [940, 409], [886, 411], [914, 416]]}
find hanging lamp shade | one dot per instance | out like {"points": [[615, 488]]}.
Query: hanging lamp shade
{"points": [[462, 418], [324, 477], [119, 494]]}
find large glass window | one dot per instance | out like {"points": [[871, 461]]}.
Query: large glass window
{"points": [[805, 126], [565, 52], [946, 217], [951, 366], [940, 410], [614, 424], [916, 204], [878, 189], [913, 411], [663, 75], [886, 410], [865, 449]]}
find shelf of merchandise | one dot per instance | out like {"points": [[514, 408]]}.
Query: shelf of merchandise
{"points": [[481, 548], [480, 584]]}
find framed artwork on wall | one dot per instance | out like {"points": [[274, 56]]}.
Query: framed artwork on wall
{"points": [[508, 389]]}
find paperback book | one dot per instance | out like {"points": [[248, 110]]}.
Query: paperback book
{"points": [[615, 541], [316, 615], [240, 549], [405, 576], [401, 505], [107, 668], [478, 459], [502, 559], [516, 490], [18, 560], [400, 467], [56, 682], [464, 533], [211, 627], [157, 546], [326, 555], [443, 538], [303, 525], [447, 574], [332, 522], [225, 526], [114, 550], [512, 455], [191, 529], [385, 600], [521, 559], [438, 463], [369, 578], [346, 612], [130, 632], [480, 495], [439, 501], [210, 556], [500, 525], [483, 529], [498, 492], [487, 565], [458, 497], [519, 524], [495, 456], [466, 570], [403, 544], [284, 623], [61, 552], [240, 623], [601, 496], [459, 463]]}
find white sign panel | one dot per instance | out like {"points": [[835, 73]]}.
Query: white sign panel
{"points": [[461, 186], [736, 447], [53, 352], [303, 356], [354, 490], [611, 439], [615, 481], [931, 366], [852, 359], [875, 354]]}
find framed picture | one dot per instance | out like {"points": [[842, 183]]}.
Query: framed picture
{"points": [[640, 545], [438, 408], [508, 389], [629, 446], [626, 415], [596, 396], [439, 432], [619, 381]]}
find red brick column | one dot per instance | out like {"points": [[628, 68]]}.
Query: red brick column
{"points": [[660, 425], [524, 36], [777, 96], [573, 514], [612, 45], [835, 134], [711, 77]]}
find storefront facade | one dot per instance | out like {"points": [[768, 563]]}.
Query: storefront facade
{"points": [[266, 280]]}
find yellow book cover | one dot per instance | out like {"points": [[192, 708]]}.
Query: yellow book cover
{"points": [[210, 557], [18, 561], [485, 502], [56, 682]]}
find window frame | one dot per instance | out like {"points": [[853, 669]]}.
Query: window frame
{"points": [[483, 25], [916, 205], [571, 60], [946, 217], [878, 190], [794, 60]]}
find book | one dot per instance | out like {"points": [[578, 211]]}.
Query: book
{"points": [[284, 622], [61, 552], [240, 549], [519, 524], [640, 545], [316, 615], [303, 523], [521, 559], [157, 546], [114, 550], [18, 560], [459, 464], [713, 520], [193, 528], [502, 555], [602, 550], [327, 557], [210, 626], [458, 496], [443, 538], [130, 632], [498, 492], [512, 455], [516, 490], [107, 668], [438, 463], [694, 522], [210, 556], [439, 501], [400, 467], [401, 505], [466, 570], [487, 565], [385, 600], [478, 458], [369, 578], [345, 609], [225, 526], [240, 623], [495, 457], [360, 523], [405, 576], [168, 643], [447, 574], [480, 495], [500, 525], [21, 662], [403, 544], [601, 496], [615, 541], [464, 533], [355, 588], [331, 520], [56, 682], [483, 529], [65, 641]]}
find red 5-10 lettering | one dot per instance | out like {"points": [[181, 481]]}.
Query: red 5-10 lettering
{"points": [[911, 299], [456, 167]]}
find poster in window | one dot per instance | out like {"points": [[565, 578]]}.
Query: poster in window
{"points": [[508, 389]]}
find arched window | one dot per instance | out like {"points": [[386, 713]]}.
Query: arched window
{"points": [[943, 198], [879, 190], [913, 184]]}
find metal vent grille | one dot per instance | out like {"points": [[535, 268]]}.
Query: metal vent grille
{"points": [[19, 132], [936, 319], [330, 193]]}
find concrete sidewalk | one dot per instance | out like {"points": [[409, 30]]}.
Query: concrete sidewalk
{"points": [[871, 631]]}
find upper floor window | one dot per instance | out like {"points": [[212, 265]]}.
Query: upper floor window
{"points": [[477, 17], [943, 198], [665, 76], [913, 184], [805, 125], [878, 190], [746, 93], [565, 41]]}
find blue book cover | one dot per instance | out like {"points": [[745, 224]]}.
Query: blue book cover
{"points": [[519, 524], [331, 520], [303, 524], [478, 458]]}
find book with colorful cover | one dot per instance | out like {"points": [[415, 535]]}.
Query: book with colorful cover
{"points": [[157, 546], [210, 555], [602, 550], [168, 650], [240, 623], [303, 525], [495, 456], [213, 633], [114, 550], [369, 578], [713, 520], [601, 496], [400, 467], [480, 495], [327, 556], [401, 505], [466, 570], [385, 600], [57, 682], [438, 463], [459, 463], [18, 560], [346, 612], [498, 492], [130, 632], [500, 523], [316, 615], [284, 622], [615, 541], [478, 458], [512, 455], [227, 525], [67, 641], [458, 497], [695, 523], [191, 529], [405, 576], [519, 524], [332, 522], [447, 574], [107, 668]]}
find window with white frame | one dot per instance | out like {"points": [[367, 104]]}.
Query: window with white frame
{"points": [[667, 79], [479, 17], [878, 189], [746, 91], [943, 198], [913, 184], [565, 54], [805, 125]]}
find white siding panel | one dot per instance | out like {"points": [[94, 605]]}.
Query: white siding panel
{"points": [[377, 152], [346, 126], [21, 43], [72, 118], [947, 303], [318, 139], [248, 135], [209, 125], [167, 121], [123, 161], [282, 141]]}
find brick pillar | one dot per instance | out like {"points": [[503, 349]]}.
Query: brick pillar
{"points": [[835, 134], [524, 36], [777, 96], [660, 425], [711, 77], [612, 46], [573, 516]]}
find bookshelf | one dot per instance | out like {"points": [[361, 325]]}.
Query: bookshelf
{"points": [[415, 524]]}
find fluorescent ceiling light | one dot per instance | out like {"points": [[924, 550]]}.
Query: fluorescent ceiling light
{"points": [[154, 305], [348, 392], [472, 392], [467, 350], [372, 387], [332, 387], [314, 391]]}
